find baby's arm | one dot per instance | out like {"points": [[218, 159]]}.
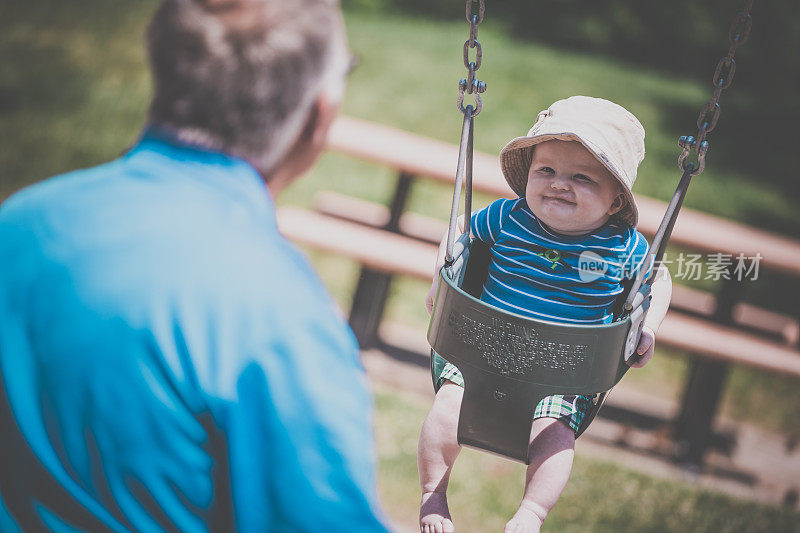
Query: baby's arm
{"points": [[661, 293], [439, 264]]}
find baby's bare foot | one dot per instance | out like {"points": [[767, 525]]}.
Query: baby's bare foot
{"points": [[434, 515], [525, 520]]}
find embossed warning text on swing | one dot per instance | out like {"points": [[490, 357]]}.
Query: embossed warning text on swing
{"points": [[522, 351]]}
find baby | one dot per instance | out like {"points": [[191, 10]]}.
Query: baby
{"points": [[573, 174]]}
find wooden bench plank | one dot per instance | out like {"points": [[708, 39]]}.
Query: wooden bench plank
{"points": [[377, 249], [727, 344], [369, 213], [436, 159], [412, 153]]}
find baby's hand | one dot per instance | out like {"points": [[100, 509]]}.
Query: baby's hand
{"points": [[647, 342], [429, 298]]}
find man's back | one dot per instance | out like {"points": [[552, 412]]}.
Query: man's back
{"points": [[166, 357]]}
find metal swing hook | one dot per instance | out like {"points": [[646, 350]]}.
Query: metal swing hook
{"points": [[688, 143]]}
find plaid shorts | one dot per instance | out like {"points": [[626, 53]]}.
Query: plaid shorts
{"points": [[569, 408]]}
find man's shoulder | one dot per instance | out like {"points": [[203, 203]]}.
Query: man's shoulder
{"points": [[52, 191], [159, 241]]}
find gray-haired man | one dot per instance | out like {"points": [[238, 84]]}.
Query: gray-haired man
{"points": [[167, 360]]}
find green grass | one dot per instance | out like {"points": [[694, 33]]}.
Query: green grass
{"points": [[74, 89], [485, 490]]}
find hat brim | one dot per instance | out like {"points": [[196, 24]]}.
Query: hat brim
{"points": [[515, 162]]}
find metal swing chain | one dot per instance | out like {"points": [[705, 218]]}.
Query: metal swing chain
{"points": [[709, 114], [706, 122], [471, 84]]}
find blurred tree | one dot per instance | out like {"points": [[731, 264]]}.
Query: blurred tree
{"points": [[685, 37]]}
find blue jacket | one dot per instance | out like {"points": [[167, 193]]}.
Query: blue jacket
{"points": [[169, 362]]}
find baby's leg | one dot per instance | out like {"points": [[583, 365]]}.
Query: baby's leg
{"points": [[437, 451], [551, 452]]}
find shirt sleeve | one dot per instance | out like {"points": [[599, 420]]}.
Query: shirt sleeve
{"points": [[636, 251], [304, 424], [299, 429], [486, 223]]}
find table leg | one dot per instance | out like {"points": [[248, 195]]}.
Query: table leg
{"points": [[694, 427], [369, 299], [704, 386]]}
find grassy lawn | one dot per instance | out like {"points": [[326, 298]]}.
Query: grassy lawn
{"points": [[485, 490], [73, 93]]}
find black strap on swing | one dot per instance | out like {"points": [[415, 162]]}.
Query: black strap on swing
{"points": [[510, 362]]}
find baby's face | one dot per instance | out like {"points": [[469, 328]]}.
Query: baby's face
{"points": [[569, 189]]}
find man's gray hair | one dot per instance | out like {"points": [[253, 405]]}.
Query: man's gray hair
{"points": [[242, 75]]}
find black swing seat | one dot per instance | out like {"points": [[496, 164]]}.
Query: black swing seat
{"points": [[510, 362]]}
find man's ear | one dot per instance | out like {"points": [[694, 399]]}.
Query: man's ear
{"points": [[619, 202], [322, 114], [309, 144]]}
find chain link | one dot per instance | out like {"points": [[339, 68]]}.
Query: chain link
{"points": [[479, 14], [478, 54], [470, 84], [721, 80]]}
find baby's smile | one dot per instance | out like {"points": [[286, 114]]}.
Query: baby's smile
{"points": [[559, 200]]}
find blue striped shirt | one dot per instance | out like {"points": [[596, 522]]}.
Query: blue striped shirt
{"points": [[536, 272]]}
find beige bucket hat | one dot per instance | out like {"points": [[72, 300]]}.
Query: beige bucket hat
{"points": [[609, 131]]}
